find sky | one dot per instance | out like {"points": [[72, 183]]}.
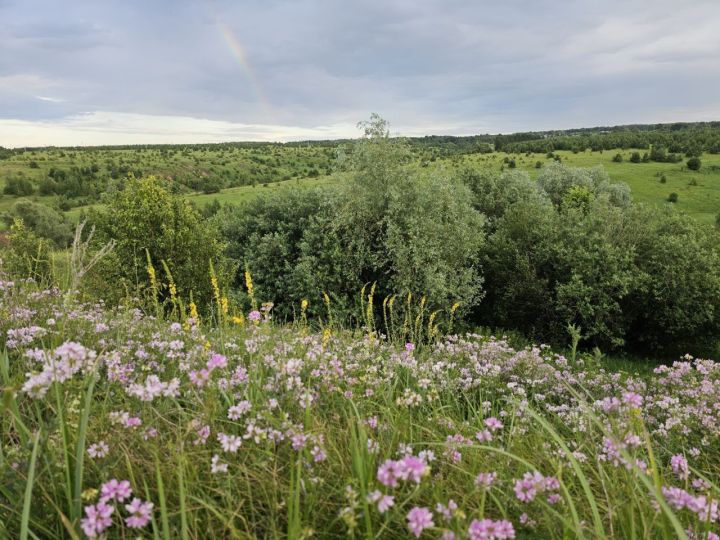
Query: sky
{"points": [[77, 72]]}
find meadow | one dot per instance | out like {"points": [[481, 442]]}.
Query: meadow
{"points": [[122, 423], [233, 175], [317, 357]]}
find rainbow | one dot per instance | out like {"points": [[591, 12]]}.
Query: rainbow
{"points": [[238, 52]]}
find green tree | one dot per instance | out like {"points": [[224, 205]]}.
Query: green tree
{"points": [[694, 163], [144, 216], [43, 221]]}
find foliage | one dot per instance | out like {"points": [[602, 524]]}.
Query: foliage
{"points": [[42, 220], [144, 218], [404, 231], [27, 256], [694, 163]]}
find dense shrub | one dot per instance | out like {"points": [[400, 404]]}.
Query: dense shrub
{"points": [[390, 225], [694, 163], [557, 179], [43, 221], [20, 187], [146, 217], [27, 255]]}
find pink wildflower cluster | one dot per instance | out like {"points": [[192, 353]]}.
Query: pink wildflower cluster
{"points": [[488, 529], [679, 499], [98, 517], [409, 468], [533, 484], [419, 519]]}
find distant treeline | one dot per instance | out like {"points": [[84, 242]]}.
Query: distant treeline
{"points": [[678, 137]]}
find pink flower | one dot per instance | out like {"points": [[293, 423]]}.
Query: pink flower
{"points": [[633, 399], [485, 480], [97, 519], [413, 469], [254, 315], [384, 502], [199, 378], [217, 361], [99, 449], [484, 436], [419, 519], [139, 513], [229, 443], [388, 473], [115, 490], [679, 466], [487, 529], [493, 423]]}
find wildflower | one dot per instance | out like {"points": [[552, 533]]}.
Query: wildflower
{"points": [[229, 443], [633, 399], [485, 480], [679, 466], [236, 411], [115, 490], [216, 466], [97, 519], [217, 361], [493, 423], [99, 449], [139, 513], [419, 519], [487, 529], [384, 502], [254, 316]]}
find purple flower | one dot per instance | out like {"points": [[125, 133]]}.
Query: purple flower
{"points": [[114, 490], [487, 529], [97, 519], [139, 513], [493, 423], [679, 466], [419, 519]]}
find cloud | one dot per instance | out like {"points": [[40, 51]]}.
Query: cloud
{"points": [[426, 65]]}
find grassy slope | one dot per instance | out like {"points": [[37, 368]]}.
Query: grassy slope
{"points": [[701, 201]]}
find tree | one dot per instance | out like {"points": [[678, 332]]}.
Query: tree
{"points": [[635, 157], [43, 221], [694, 163], [617, 158], [146, 217]]}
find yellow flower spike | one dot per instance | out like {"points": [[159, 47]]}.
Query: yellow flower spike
{"points": [[224, 305], [194, 311]]}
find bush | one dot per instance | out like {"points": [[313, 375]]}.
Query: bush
{"points": [[557, 179], [694, 163], [617, 158], [27, 256], [676, 306], [20, 187], [43, 221], [635, 157], [673, 197], [390, 225], [145, 216]]}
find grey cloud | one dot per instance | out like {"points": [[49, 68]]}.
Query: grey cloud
{"points": [[427, 65]]}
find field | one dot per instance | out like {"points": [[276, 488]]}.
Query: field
{"points": [[250, 171], [117, 424]]}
